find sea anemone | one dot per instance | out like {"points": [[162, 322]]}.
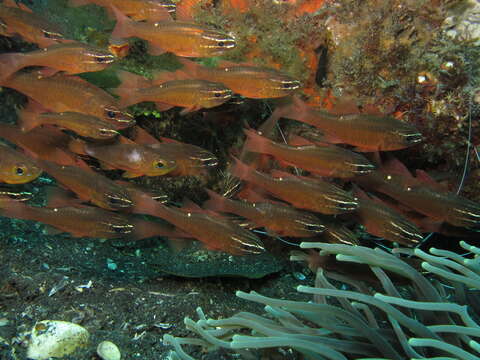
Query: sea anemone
{"points": [[415, 305]]}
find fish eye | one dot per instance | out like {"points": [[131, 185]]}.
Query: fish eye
{"points": [[111, 114], [221, 43], [159, 165], [218, 95], [20, 171]]}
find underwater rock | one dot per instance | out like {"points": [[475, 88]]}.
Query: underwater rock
{"points": [[108, 351], [52, 338]]}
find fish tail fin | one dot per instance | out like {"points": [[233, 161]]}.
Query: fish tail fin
{"points": [[190, 68], [160, 77], [216, 202], [122, 28], [77, 146], [10, 64], [128, 89], [257, 143], [184, 10], [241, 170], [76, 3]]}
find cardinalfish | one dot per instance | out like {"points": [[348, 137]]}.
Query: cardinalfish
{"points": [[262, 83], [315, 195], [86, 221], [396, 181], [138, 10], [90, 186], [136, 160], [18, 19], [181, 38], [63, 93], [278, 220], [191, 160], [192, 95], [16, 168], [336, 233], [382, 221], [440, 206], [215, 232], [325, 160], [72, 58], [366, 132], [81, 124], [46, 143]]}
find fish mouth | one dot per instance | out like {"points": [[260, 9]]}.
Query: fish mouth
{"points": [[362, 168], [248, 244], [16, 195], [406, 231], [100, 59], [169, 6], [342, 204], [289, 85], [312, 227], [52, 35], [470, 216], [207, 159], [119, 202], [412, 138]]}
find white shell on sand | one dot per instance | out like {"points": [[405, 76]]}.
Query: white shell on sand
{"points": [[108, 351], [52, 338]]}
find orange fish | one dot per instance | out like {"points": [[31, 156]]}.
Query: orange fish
{"points": [[87, 221], [322, 160], [72, 58], [136, 160], [315, 195], [278, 220], [190, 94], [396, 181], [149, 10], [84, 125], [216, 233], [366, 132], [40, 143], [19, 19], [16, 168], [90, 186], [180, 38], [384, 222], [63, 93], [249, 81], [191, 160]]}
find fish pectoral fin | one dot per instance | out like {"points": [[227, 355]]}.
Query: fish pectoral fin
{"points": [[155, 50], [131, 174], [190, 109], [106, 166], [50, 230]]}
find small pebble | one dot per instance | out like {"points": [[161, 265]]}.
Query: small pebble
{"points": [[108, 351]]}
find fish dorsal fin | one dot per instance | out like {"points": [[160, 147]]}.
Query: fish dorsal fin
{"points": [[190, 206], [395, 166], [19, 5], [125, 140], [141, 136], [170, 141], [59, 198], [423, 176]]}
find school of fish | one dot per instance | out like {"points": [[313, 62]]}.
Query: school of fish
{"points": [[343, 172]]}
